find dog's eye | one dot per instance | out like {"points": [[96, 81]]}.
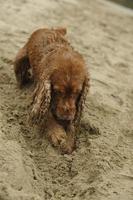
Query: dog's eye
{"points": [[58, 92], [74, 95], [77, 92]]}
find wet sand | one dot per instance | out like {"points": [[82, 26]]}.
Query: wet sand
{"points": [[102, 166]]}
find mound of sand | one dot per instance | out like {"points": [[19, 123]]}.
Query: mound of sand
{"points": [[102, 166]]}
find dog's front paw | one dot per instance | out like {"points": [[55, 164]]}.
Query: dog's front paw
{"points": [[57, 138], [68, 146]]}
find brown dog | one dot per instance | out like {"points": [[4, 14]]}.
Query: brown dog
{"points": [[61, 84]]}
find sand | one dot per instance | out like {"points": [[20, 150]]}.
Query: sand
{"points": [[102, 166]]}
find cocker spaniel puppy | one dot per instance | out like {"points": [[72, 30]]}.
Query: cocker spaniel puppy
{"points": [[61, 84]]}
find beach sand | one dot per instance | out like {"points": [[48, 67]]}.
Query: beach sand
{"points": [[102, 166]]}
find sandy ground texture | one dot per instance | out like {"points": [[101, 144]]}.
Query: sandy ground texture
{"points": [[102, 166]]}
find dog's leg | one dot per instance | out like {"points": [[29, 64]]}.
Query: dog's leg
{"points": [[64, 140], [70, 145], [22, 66], [59, 137], [55, 132]]}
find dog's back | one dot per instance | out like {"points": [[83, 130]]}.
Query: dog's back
{"points": [[39, 42]]}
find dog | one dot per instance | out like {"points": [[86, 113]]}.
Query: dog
{"points": [[61, 82]]}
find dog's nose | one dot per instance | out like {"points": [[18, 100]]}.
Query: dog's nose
{"points": [[68, 109]]}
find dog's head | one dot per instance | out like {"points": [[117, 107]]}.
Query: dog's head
{"points": [[64, 90]]}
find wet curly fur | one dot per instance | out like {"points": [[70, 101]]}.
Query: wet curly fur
{"points": [[61, 84]]}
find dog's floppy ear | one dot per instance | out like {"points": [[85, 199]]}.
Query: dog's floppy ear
{"points": [[82, 99], [42, 93], [41, 102]]}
